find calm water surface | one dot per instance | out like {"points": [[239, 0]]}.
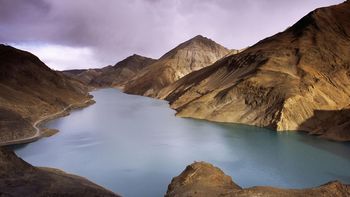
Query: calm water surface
{"points": [[134, 146]]}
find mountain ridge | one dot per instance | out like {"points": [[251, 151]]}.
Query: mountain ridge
{"points": [[112, 76], [185, 58], [30, 90], [280, 81]]}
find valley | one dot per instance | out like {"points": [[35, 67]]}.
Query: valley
{"points": [[272, 116]]}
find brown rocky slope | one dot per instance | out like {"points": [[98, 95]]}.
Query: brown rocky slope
{"points": [[289, 81], [187, 57], [204, 180], [112, 76], [18, 178], [31, 92]]}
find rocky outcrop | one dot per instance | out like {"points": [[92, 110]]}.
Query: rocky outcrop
{"points": [[189, 56], [282, 82], [30, 91], [112, 76], [18, 178], [203, 179]]}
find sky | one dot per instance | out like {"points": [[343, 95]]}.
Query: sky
{"points": [[69, 34]]}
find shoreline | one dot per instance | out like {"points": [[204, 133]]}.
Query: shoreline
{"points": [[307, 132], [38, 123]]}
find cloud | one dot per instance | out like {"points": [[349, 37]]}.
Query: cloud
{"points": [[114, 29], [62, 57]]}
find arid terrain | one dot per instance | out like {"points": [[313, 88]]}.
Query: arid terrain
{"points": [[145, 76], [294, 80], [30, 93], [187, 57], [112, 76], [18, 178], [203, 179]]}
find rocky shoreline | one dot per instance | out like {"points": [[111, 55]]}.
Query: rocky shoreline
{"points": [[203, 179], [295, 80], [46, 132], [18, 178]]}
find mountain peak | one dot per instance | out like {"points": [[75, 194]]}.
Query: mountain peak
{"points": [[267, 77], [132, 59], [200, 38], [135, 55], [198, 41], [189, 56]]}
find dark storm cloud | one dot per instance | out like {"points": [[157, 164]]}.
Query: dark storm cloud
{"points": [[15, 10], [114, 29]]}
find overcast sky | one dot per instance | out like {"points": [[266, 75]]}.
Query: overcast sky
{"points": [[69, 34]]}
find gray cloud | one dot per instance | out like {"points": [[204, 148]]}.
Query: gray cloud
{"points": [[114, 29]]}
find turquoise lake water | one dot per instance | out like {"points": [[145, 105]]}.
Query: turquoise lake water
{"points": [[134, 145]]}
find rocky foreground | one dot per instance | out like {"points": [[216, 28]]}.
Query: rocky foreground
{"points": [[298, 79], [203, 179], [18, 178]]}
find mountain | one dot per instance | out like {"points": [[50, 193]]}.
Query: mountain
{"points": [[187, 57], [18, 178], [112, 76], [298, 79], [145, 76], [203, 179], [31, 92]]}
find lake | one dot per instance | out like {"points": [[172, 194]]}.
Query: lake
{"points": [[134, 145]]}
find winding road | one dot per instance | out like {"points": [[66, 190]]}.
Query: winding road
{"points": [[36, 126]]}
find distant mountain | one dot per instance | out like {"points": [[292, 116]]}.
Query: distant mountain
{"points": [[187, 57], [86, 76], [298, 79], [29, 91], [112, 76]]}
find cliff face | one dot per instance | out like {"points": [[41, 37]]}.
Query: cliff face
{"points": [[202, 179], [189, 56], [112, 76], [282, 82], [30, 90], [18, 178]]}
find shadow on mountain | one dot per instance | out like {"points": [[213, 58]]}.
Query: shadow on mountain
{"points": [[332, 124]]}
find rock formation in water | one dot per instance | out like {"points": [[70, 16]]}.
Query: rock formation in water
{"points": [[298, 79], [18, 178], [204, 180], [112, 76], [189, 56], [29, 91]]}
